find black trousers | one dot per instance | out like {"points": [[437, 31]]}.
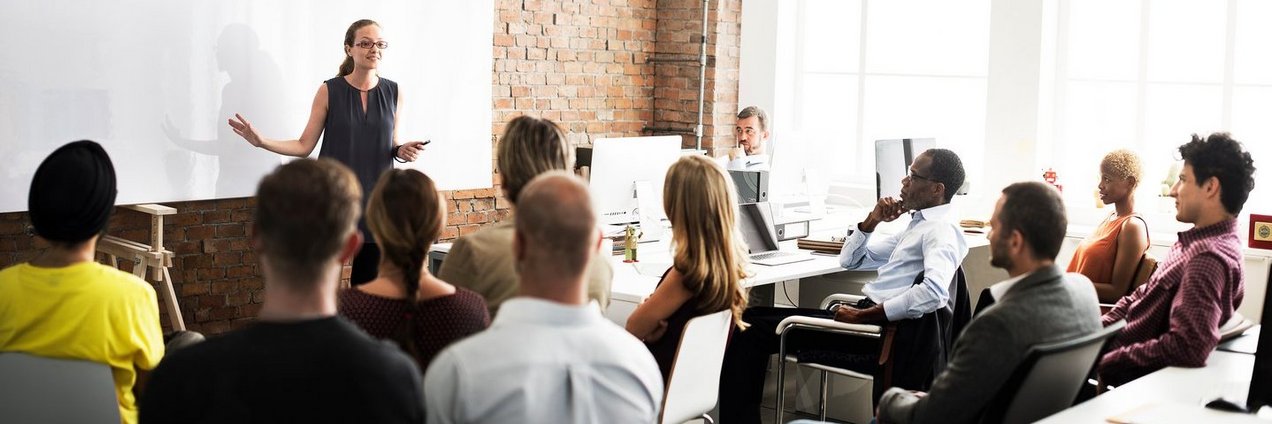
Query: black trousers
{"points": [[366, 264], [747, 356]]}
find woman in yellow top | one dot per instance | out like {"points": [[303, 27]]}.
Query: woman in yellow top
{"points": [[708, 258], [1110, 255]]}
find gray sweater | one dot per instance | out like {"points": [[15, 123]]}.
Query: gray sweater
{"points": [[1046, 306]]}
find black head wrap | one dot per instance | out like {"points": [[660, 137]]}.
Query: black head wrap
{"points": [[72, 193]]}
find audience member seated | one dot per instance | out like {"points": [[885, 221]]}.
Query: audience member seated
{"points": [[483, 261], [1174, 319], [752, 134], [1038, 304], [404, 302], [931, 247], [62, 304], [1110, 256], [708, 262], [299, 362], [549, 356]]}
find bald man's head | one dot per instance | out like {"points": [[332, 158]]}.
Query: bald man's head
{"points": [[556, 226]]}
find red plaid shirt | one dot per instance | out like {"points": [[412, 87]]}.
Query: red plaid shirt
{"points": [[1174, 319]]}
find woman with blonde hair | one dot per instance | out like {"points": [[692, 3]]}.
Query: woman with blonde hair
{"points": [[708, 261], [405, 303], [1110, 255]]}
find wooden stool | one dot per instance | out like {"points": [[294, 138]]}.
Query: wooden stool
{"points": [[152, 256]]}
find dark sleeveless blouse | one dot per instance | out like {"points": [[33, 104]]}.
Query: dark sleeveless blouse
{"points": [[664, 349], [363, 141]]}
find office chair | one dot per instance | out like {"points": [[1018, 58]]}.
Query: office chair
{"points": [[902, 361], [1049, 378], [1143, 272], [48, 390], [693, 386]]}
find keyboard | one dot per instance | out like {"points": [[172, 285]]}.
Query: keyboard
{"points": [[770, 255]]}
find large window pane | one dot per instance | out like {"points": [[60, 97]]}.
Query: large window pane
{"points": [[950, 109], [831, 35], [931, 37], [1253, 55], [1104, 38], [827, 123], [1172, 114], [1098, 117], [1251, 107], [1186, 40]]}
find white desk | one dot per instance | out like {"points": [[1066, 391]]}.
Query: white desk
{"points": [[1173, 395], [633, 282]]}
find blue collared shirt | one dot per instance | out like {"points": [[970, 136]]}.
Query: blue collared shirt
{"points": [[932, 244], [545, 362]]}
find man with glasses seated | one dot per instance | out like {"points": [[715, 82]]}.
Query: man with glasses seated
{"points": [[931, 247]]}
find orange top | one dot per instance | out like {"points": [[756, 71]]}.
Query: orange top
{"points": [[1095, 255]]}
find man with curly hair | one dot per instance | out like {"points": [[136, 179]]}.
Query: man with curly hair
{"points": [[1174, 319]]}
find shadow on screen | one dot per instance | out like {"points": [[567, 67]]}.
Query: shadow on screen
{"points": [[252, 91]]}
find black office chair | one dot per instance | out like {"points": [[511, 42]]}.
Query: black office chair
{"points": [[912, 352], [1049, 378]]}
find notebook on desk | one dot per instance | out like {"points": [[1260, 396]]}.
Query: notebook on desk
{"points": [[756, 222]]}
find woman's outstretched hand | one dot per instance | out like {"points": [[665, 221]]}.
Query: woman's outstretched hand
{"points": [[245, 129]]}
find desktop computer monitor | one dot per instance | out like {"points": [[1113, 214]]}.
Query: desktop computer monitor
{"points": [[618, 164], [1261, 377], [892, 162]]}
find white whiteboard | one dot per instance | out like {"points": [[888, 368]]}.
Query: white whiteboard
{"points": [[155, 80]]}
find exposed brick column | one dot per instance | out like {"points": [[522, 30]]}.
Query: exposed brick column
{"points": [[677, 73]]}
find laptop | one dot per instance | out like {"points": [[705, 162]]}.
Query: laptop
{"points": [[756, 222]]}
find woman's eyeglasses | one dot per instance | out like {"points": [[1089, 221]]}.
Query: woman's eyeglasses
{"points": [[367, 44]]}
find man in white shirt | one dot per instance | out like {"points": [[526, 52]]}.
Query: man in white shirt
{"points": [[752, 132], [931, 247], [549, 356]]}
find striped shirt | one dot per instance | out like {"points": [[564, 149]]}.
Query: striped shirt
{"points": [[1174, 319]]}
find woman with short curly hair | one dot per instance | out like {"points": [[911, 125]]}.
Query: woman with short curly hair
{"points": [[1110, 255]]}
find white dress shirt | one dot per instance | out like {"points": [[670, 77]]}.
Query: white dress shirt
{"points": [[545, 362], [1001, 288], [758, 162], [932, 244]]}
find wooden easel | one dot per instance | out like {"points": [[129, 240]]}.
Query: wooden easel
{"points": [[148, 256]]}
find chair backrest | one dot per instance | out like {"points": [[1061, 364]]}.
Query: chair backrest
{"points": [[1049, 378], [1143, 272], [960, 309], [915, 351], [47, 390], [694, 384]]}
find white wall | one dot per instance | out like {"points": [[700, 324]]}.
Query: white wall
{"points": [[155, 81]]}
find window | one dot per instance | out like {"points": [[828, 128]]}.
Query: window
{"points": [[1145, 74], [867, 70]]}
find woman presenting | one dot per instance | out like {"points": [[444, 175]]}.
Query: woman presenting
{"points": [[357, 111]]}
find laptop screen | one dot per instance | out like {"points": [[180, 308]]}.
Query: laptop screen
{"points": [[756, 222]]}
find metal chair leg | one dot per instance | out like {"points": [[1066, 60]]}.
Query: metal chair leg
{"points": [[821, 403], [781, 380]]}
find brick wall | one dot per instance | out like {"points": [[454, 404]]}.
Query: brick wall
{"points": [[582, 63], [677, 71]]}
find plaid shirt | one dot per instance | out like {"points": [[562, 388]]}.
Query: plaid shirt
{"points": [[1174, 319]]}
